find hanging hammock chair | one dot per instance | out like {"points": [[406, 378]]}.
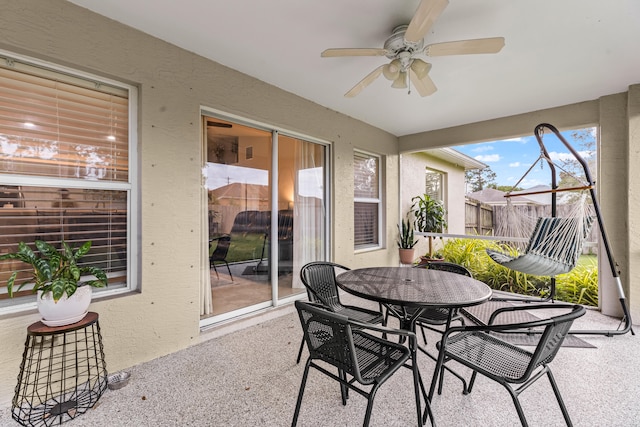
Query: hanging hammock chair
{"points": [[553, 248], [555, 244]]}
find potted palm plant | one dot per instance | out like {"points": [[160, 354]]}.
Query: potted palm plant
{"points": [[430, 216], [406, 241], [56, 277]]}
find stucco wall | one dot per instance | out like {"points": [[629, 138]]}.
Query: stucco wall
{"points": [[412, 177], [174, 84]]}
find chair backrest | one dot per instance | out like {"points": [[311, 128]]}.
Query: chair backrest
{"points": [[559, 238], [556, 329], [221, 250], [446, 266], [319, 278], [329, 337]]}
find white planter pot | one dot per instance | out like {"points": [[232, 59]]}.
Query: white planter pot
{"points": [[67, 310]]}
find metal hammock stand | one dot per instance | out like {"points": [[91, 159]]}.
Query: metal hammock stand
{"points": [[539, 132]]}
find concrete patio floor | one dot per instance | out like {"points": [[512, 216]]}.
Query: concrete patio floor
{"points": [[248, 377]]}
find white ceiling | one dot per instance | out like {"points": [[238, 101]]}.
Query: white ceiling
{"points": [[556, 52]]}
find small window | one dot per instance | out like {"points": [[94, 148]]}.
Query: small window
{"points": [[367, 201], [434, 184]]}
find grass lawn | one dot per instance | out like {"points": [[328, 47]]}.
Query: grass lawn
{"points": [[244, 246], [588, 260]]}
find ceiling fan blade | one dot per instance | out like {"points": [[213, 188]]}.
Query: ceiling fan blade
{"points": [[353, 52], [364, 82], [424, 86], [465, 47], [426, 14]]}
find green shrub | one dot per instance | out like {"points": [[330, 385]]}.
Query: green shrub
{"points": [[578, 286]]}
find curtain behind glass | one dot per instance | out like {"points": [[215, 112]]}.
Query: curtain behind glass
{"points": [[308, 207]]}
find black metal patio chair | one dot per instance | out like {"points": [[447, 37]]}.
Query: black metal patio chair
{"points": [[219, 254], [478, 348], [359, 356], [319, 277]]}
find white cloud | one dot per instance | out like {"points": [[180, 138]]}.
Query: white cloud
{"points": [[483, 148], [555, 156], [514, 164], [488, 158], [520, 140]]}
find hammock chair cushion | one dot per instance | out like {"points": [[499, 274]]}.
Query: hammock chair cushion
{"points": [[553, 248]]}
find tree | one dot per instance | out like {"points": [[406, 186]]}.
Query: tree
{"points": [[572, 173], [505, 188], [479, 179]]}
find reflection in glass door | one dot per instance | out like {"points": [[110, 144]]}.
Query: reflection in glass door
{"points": [[244, 194]]}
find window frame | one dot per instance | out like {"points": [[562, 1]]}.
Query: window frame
{"points": [[358, 248], [131, 186]]}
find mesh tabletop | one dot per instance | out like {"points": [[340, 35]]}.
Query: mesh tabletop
{"points": [[414, 287]]}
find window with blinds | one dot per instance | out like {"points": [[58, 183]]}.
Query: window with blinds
{"points": [[434, 183], [64, 166], [367, 201]]}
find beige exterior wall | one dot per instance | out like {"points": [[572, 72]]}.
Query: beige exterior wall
{"points": [[174, 84], [412, 177]]}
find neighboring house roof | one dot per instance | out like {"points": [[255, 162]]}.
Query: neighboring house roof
{"points": [[241, 191], [541, 199], [491, 196], [457, 158]]}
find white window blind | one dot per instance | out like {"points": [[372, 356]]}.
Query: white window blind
{"points": [[434, 184], [367, 203], [64, 166], [53, 128]]}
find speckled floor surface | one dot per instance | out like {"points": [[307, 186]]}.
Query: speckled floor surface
{"points": [[249, 378]]}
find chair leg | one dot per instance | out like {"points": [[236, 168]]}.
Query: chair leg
{"points": [[229, 270], [471, 381], [213, 264], [370, 397], [556, 391], [300, 393], [344, 390], [516, 402], [300, 351], [424, 336], [386, 316]]}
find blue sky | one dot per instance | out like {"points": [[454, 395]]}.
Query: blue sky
{"points": [[510, 158]]}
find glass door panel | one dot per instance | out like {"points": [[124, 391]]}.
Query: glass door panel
{"points": [[238, 170], [301, 210]]}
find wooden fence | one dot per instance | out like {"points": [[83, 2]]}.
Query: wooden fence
{"points": [[483, 219], [478, 218]]}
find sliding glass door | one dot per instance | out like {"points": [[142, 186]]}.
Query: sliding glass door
{"points": [[266, 215]]}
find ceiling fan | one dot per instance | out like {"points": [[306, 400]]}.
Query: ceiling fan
{"points": [[404, 46]]}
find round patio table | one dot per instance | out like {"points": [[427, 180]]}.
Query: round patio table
{"points": [[417, 288], [414, 287]]}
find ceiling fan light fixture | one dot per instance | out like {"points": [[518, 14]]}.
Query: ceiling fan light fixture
{"points": [[391, 70], [401, 81], [421, 68]]}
